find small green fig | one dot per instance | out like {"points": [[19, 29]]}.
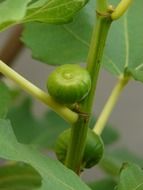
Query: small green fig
{"points": [[93, 149], [69, 83]]}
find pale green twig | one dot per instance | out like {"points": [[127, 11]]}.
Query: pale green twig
{"points": [[108, 108], [62, 110], [121, 9]]}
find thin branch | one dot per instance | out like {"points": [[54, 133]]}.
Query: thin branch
{"points": [[108, 108], [121, 8], [36, 92]]}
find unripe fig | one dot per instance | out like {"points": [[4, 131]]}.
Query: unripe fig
{"points": [[93, 149], [69, 83]]}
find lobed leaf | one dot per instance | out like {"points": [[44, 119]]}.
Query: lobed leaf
{"points": [[50, 11], [61, 43], [53, 11], [70, 43], [54, 175]]}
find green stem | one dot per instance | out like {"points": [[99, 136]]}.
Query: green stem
{"points": [[121, 9], [79, 129], [95, 55], [108, 108], [62, 110], [76, 145], [101, 5]]}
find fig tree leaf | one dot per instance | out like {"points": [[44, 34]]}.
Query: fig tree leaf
{"points": [[52, 125], [42, 132], [53, 11], [131, 177], [125, 43], [113, 160], [137, 74], [107, 183], [30, 127], [11, 12], [49, 11], [18, 176], [54, 175], [61, 43], [70, 43], [5, 99]]}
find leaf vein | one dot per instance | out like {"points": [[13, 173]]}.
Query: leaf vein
{"points": [[76, 36], [138, 186], [139, 67], [114, 65], [126, 33], [42, 9]]}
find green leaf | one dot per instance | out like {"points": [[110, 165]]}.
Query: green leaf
{"points": [[131, 177], [54, 175], [53, 11], [12, 12], [136, 74], [30, 130], [50, 11], [113, 159], [25, 126], [61, 44], [52, 125], [19, 176], [4, 100], [107, 183], [125, 44]]}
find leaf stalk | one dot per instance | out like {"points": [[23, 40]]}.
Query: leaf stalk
{"points": [[108, 108], [36, 92], [121, 9]]}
